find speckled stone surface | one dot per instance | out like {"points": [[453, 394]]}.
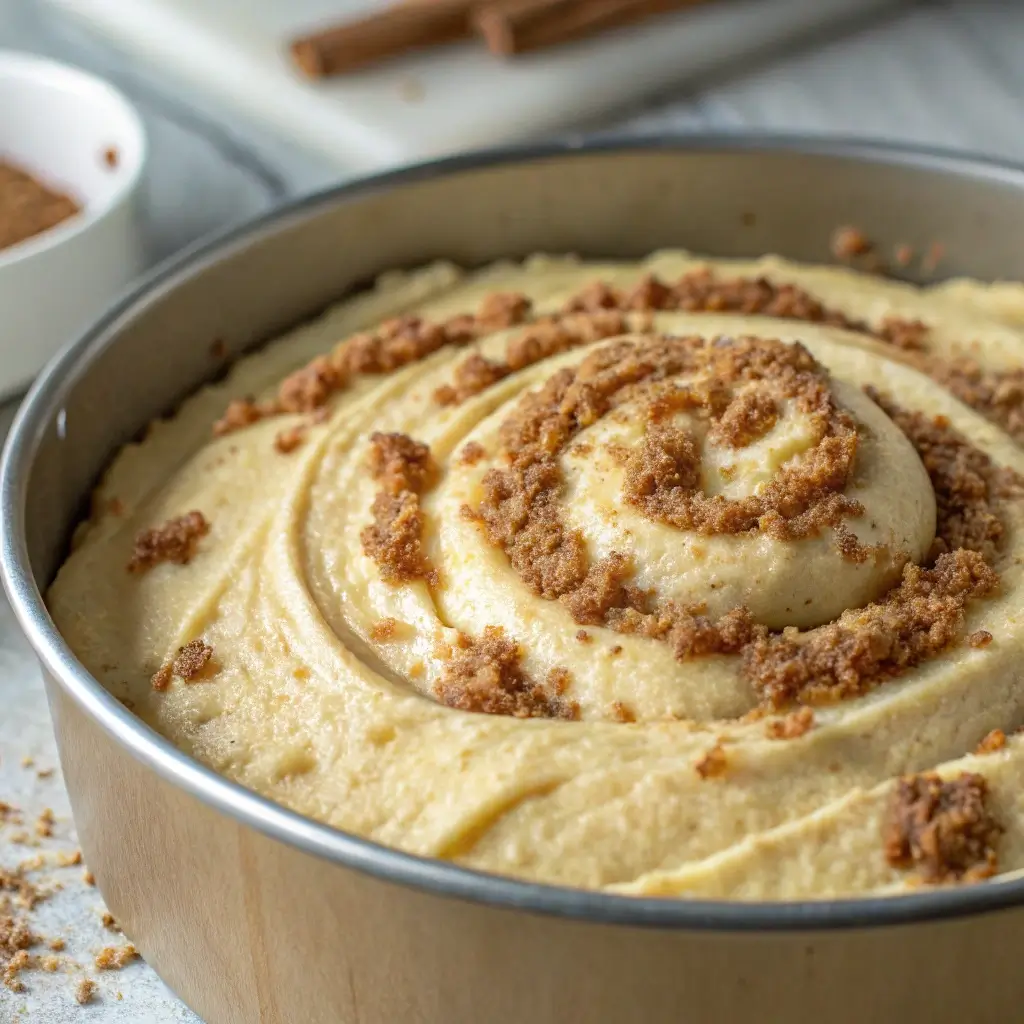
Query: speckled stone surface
{"points": [[945, 72]]}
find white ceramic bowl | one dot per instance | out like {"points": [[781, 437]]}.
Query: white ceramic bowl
{"points": [[59, 124]]}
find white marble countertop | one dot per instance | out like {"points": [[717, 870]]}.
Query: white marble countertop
{"points": [[945, 72]]}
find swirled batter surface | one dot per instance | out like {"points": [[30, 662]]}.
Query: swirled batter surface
{"points": [[687, 578]]}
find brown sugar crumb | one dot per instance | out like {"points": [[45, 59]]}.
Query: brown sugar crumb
{"points": [[917, 620], [980, 638], [969, 488], [471, 453], [545, 337], [176, 541], [28, 762], [45, 823], [997, 394], [473, 375], [601, 589], [113, 958], [485, 675], [16, 937], [663, 475], [69, 860], [308, 389], [111, 157], [400, 463], [384, 630], [622, 713], [395, 538], [713, 763], [848, 242], [288, 440], [191, 663], [240, 413], [84, 991], [908, 335], [28, 207], [395, 343], [26, 895], [50, 964], [792, 726], [20, 961], [701, 291], [403, 467], [108, 921], [192, 659], [88, 877], [56, 944], [503, 309], [747, 418], [992, 742], [944, 829], [44, 773], [161, 679], [583, 636], [687, 630]]}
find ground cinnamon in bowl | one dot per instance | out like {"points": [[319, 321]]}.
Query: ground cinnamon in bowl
{"points": [[28, 207]]}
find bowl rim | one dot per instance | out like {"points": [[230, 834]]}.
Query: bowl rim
{"points": [[43, 404], [30, 67]]}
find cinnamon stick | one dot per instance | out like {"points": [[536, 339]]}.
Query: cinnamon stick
{"points": [[393, 30], [509, 27]]}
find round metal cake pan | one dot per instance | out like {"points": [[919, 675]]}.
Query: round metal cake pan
{"points": [[255, 914]]}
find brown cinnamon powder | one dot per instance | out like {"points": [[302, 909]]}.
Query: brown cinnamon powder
{"points": [[28, 207]]}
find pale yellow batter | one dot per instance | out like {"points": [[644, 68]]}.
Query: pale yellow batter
{"points": [[307, 700]]}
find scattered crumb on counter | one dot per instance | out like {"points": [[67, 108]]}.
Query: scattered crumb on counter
{"points": [[44, 823], [113, 958], [84, 991]]}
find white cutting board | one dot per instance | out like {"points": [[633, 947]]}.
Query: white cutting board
{"points": [[438, 102]]}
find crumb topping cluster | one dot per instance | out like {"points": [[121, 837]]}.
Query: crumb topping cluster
{"points": [[485, 675], [175, 541], [403, 468], [944, 829]]}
